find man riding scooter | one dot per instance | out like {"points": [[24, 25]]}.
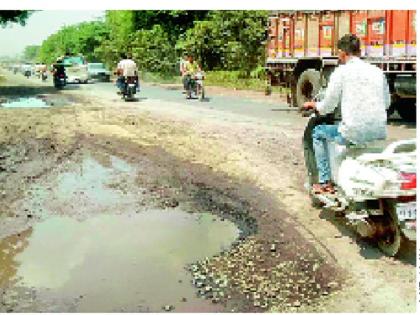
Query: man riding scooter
{"points": [[361, 90], [191, 67], [126, 68], [59, 73]]}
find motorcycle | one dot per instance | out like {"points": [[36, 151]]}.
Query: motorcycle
{"points": [[129, 89], [44, 76], [196, 86], [375, 186], [59, 80]]}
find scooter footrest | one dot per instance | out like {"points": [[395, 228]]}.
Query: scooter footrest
{"points": [[356, 217]]}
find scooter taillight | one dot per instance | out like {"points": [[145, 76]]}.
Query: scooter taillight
{"points": [[409, 181]]}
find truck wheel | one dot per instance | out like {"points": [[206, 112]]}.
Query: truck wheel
{"points": [[390, 111], [406, 107], [307, 86]]}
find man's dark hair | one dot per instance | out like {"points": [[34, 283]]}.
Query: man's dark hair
{"points": [[350, 44], [123, 56]]}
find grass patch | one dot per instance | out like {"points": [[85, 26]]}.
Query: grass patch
{"points": [[235, 80], [155, 77], [228, 79]]}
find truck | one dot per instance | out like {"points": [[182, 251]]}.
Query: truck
{"points": [[301, 51]]}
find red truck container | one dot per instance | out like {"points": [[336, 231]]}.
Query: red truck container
{"points": [[302, 50]]}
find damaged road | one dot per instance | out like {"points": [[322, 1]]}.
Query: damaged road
{"points": [[181, 207]]}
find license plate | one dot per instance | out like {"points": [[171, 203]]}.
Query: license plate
{"points": [[406, 211]]}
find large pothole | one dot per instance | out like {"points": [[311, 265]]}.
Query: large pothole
{"points": [[115, 262], [245, 255]]}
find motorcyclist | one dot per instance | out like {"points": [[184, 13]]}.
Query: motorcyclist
{"points": [[126, 68], [41, 69], [183, 71], [191, 67], [58, 67], [363, 92]]}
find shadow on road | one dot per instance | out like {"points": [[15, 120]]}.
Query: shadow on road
{"points": [[284, 110], [26, 90], [368, 247], [399, 122]]}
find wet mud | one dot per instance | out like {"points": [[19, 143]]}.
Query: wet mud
{"points": [[97, 190]]}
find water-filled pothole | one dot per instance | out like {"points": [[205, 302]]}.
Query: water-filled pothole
{"points": [[25, 102], [96, 249], [85, 188], [116, 262]]}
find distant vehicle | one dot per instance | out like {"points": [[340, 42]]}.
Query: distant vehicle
{"points": [[129, 89], [15, 68], [302, 51], [27, 69], [196, 86], [76, 69], [59, 80], [98, 71]]}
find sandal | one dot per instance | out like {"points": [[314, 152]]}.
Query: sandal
{"points": [[318, 188], [329, 188], [323, 188]]}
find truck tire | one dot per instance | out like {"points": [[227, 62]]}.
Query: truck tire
{"points": [[307, 86], [406, 108]]}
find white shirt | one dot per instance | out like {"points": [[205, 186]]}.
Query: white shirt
{"points": [[128, 67], [362, 90], [182, 65]]}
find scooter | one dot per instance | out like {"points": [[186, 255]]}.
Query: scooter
{"points": [[44, 76], [130, 88], [375, 186], [59, 80], [196, 86]]}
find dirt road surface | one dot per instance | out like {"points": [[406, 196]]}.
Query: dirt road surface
{"points": [[166, 204]]}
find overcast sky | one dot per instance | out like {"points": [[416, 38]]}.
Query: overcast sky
{"points": [[14, 38]]}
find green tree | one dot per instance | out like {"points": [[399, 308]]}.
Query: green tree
{"points": [[10, 16], [83, 38], [31, 52], [230, 40], [152, 50]]}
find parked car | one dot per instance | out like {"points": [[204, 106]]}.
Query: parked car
{"points": [[76, 69], [98, 71]]}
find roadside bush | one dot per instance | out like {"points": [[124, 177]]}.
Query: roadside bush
{"points": [[152, 51]]}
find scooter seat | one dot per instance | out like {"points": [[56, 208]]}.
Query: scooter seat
{"points": [[354, 150]]}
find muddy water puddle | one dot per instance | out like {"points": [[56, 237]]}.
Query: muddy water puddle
{"points": [[120, 261], [90, 185], [38, 101], [25, 102], [117, 262]]}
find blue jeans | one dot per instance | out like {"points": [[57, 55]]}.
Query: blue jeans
{"points": [[320, 135]]}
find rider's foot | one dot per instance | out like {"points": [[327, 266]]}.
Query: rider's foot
{"points": [[323, 188], [329, 187]]}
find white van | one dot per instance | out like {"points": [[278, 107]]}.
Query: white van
{"points": [[76, 69]]}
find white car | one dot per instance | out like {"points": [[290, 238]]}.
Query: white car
{"points": [[76, 69]]}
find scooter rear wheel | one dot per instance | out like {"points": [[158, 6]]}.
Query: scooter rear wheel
{"points": [[390, 242]]}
